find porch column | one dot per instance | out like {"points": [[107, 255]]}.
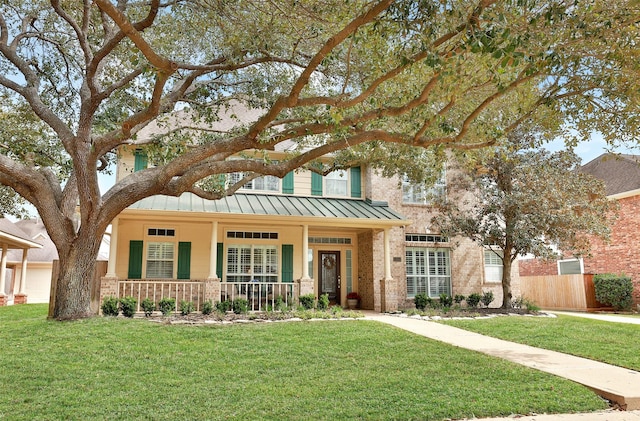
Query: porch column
{"points": [[3, 275], [387, 254], [213, 256], [20, 297], [305, 252], [388, 286], [113, 250], [23, 273]]}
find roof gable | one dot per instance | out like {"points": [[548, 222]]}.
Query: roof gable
{"points": [[620, 173]]}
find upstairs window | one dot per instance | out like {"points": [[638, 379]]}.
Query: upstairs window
{"points": [[422, 194], [265, 183], [337, 183]]}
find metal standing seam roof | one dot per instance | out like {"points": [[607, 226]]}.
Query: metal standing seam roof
{"points": [[276, 205]]}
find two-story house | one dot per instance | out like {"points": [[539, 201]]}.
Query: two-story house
{"points": [[350, 230]]}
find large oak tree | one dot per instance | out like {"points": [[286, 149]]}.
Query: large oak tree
{"points": [[390, 82]]}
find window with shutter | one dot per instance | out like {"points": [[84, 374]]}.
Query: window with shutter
{"points": [[160, 258], [428, 271]]}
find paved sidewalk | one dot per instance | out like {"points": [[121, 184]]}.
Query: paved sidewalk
{"points": [[597, 316], [618, 384]]}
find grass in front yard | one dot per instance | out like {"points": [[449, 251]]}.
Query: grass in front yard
{"points": [[612, 343], [105, 368]]}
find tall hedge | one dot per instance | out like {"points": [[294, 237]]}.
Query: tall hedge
{"points": [[614, 290]]}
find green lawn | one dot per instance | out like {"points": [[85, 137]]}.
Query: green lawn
{"points": [[613, 343], [106, 368]]}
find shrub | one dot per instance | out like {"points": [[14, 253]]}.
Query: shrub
{"points": [[487, 298], [110, 306], [167, 305], [148, 306], [128, 306], [240, 306], [278, 304], [446, 300], [186, 307], [323, 302], [421, 301], [207, 307], [614, 290], [224, 306], [473, 300], [522, 302], [307, 301], [458, 298]]}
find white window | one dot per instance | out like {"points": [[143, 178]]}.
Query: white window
{"points": [[160, 258], [570, 267], [428, 271], [336, 183], [264, 183], [421, 194], [252, 263], [492, 266]]}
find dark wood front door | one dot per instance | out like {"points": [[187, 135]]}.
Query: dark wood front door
{"points": [[329, 275]]}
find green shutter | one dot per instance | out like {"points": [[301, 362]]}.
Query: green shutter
{"points": [[140, 162], [287, 183], [219, 256], [316, 184], [184, 260], [356, 191], [135, 259], [287, 263]]}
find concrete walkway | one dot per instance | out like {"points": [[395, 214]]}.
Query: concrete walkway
{"points": [[599, 316], [617, 384]]}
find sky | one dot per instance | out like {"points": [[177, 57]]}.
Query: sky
{"points": [[588, 151]]}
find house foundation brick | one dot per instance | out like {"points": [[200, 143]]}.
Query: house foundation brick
{"points": [[389, 295], [3, 300], [20, 299], [305, 286], [212, 290], [108, 288]]}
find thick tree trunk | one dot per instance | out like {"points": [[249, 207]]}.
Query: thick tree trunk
{"points": [[506, 282], [73, 285]]}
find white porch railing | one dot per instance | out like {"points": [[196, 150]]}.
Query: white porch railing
{"points": [[156, 290], [260, 296]]}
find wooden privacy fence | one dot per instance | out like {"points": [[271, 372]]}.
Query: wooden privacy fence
{"points": [[561, 292]]}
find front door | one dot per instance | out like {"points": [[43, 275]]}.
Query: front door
{"points": [[329, 275]]}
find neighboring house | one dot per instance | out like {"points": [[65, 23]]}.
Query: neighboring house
{"points": [[17, 273], [621, 175], [39, 262], [348, 231]]}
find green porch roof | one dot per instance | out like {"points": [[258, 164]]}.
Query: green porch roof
{"points": [[277, 205]]}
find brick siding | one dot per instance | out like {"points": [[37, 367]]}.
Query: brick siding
{"points": [[620, 255]]}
